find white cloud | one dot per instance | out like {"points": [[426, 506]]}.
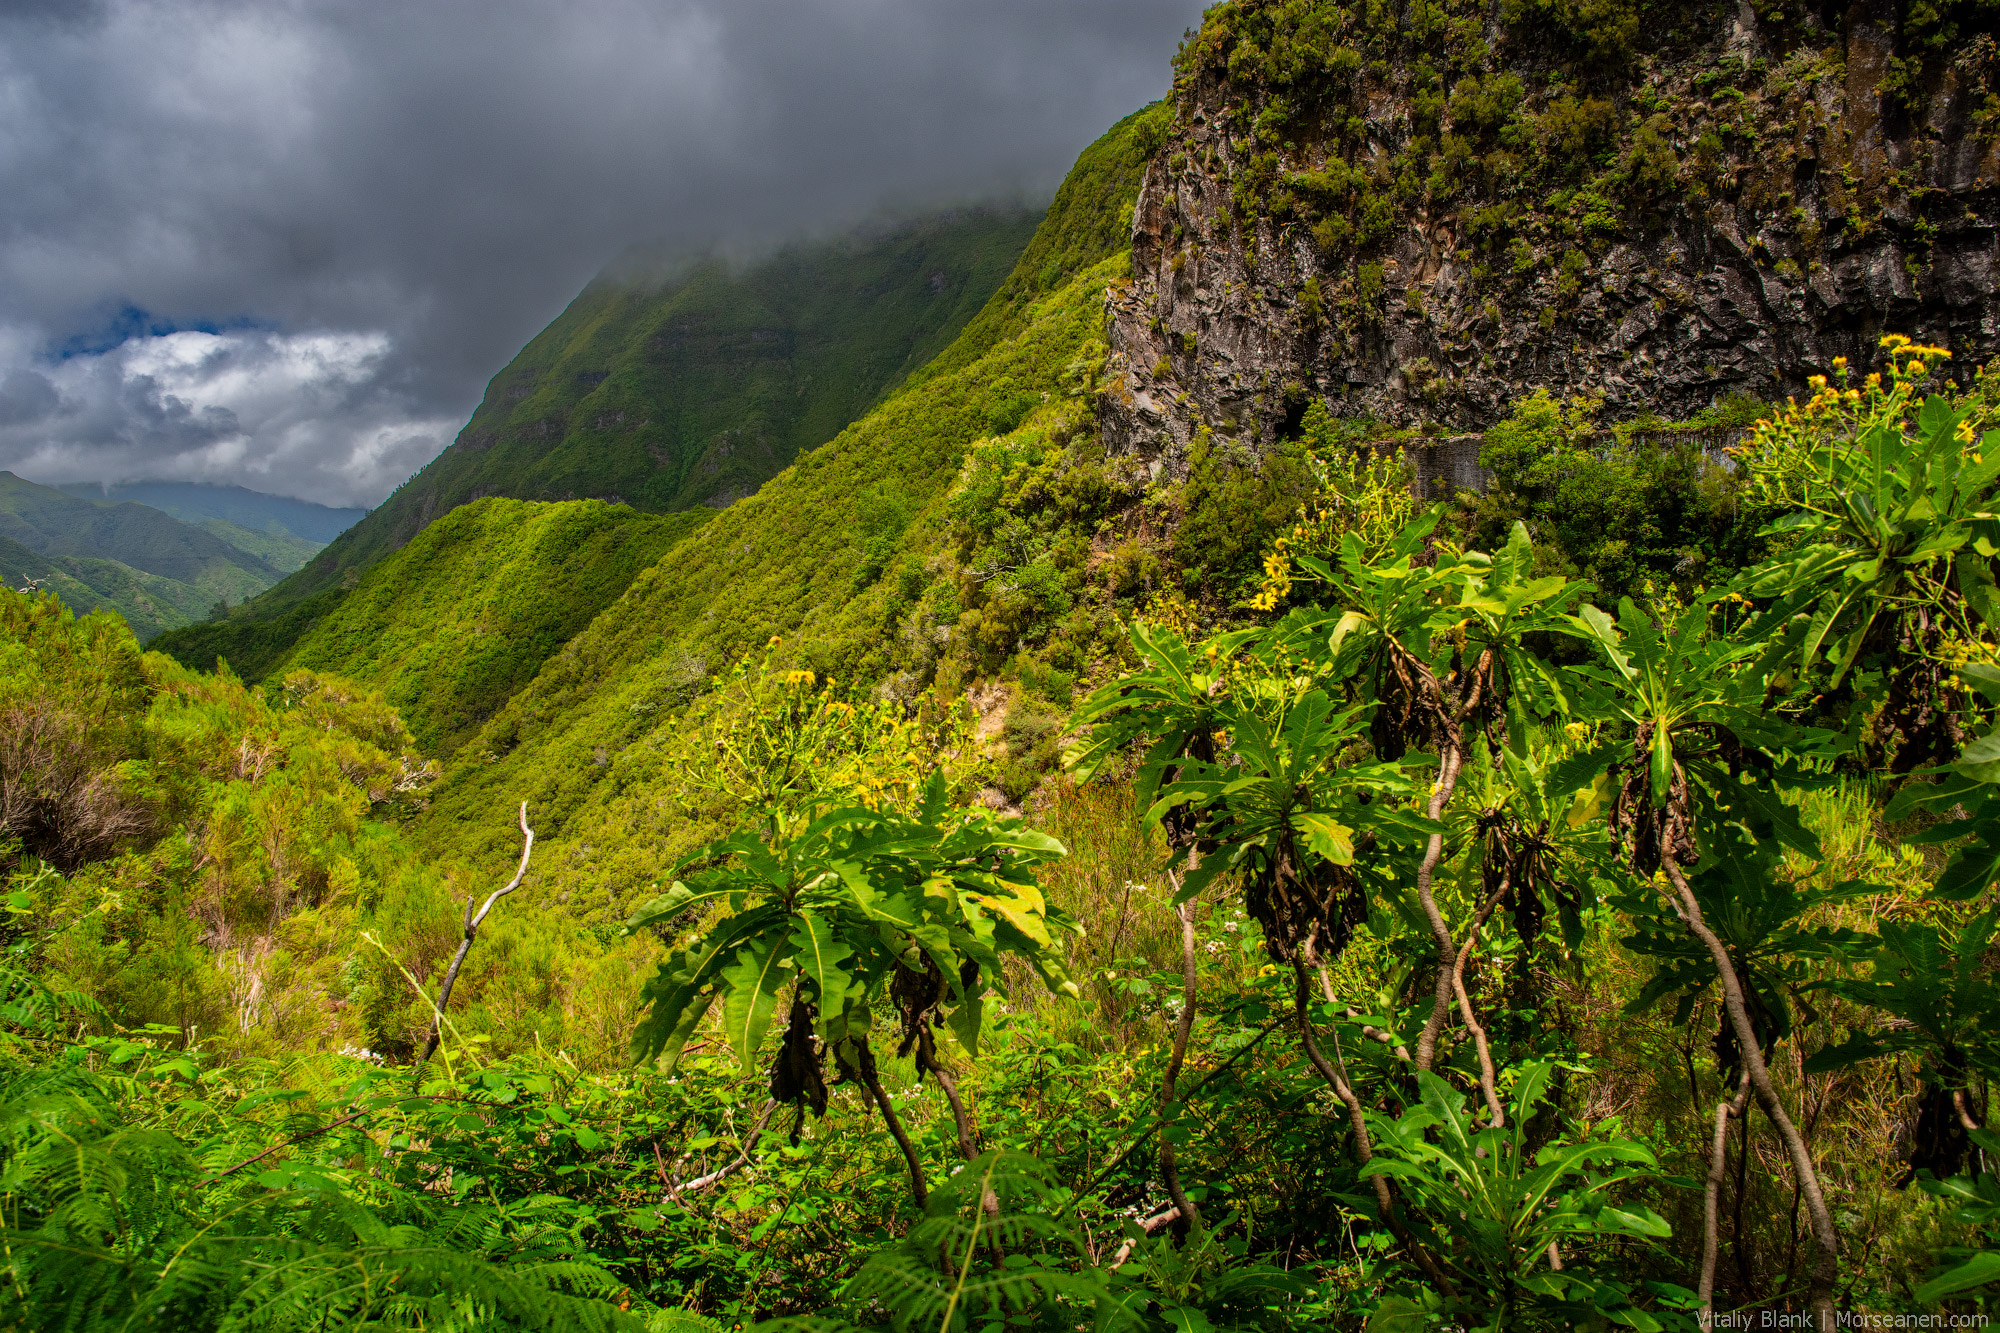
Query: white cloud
{"points": [[317, 415]]}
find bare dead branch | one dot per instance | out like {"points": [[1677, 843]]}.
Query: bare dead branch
{"points": [[472, 924], [1149, 1225], [742, 1159]]}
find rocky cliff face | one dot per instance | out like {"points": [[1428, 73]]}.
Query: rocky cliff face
{"points": [[1660, 206]]}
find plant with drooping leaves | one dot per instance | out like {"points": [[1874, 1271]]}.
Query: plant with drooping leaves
{"points": [[839, 912]]}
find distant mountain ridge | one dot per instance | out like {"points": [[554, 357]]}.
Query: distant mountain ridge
{"points": [[150, 567], [672, 394], [255, 511], [282, 531], [51, 523]]}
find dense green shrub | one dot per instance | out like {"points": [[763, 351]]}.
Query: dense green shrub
{"points": [[1626, 508], [1234, 503]]}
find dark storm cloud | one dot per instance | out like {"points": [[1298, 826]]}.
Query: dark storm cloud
{"points": [[313, 228]]}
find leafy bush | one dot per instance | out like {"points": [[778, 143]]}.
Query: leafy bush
{"points": [[1620, 513]]}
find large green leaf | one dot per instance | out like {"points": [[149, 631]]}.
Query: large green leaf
{"points": [[750, 995], [823, 957], [1977, 1271]]}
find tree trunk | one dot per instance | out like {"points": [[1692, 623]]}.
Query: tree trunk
{"points": [[1826, 1271]]}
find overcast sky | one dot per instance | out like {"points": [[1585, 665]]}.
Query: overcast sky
{"points": [[284, 243]]}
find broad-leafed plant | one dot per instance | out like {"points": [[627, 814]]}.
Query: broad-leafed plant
{"points": [[838, 912], [1503, 1216]]}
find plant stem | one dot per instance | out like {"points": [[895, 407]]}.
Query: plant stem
{"points": [[1711, 1209], [865, 1073], [1104, 1171], [1736, 1211], [965, 1266], [1364, 1146], [742, 1158], [1488, 1083], [1169, 1110], [1447, 954], [968, 1144], [1451, 758], [1825, 1272]]}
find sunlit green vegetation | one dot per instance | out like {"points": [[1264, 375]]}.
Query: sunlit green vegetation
{"points": [[1420, 954], [670, 386], [149, 567], [978, 884], [450, 626]]}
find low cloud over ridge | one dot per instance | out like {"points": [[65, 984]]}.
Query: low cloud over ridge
{"points": [[284, 245]]}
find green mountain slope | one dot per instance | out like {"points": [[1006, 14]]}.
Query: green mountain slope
{"points": [[51, 523], [831, 553], [148, 602], [151, 568], [274, 546], [254, 511], [453, 623], [672, 394]]}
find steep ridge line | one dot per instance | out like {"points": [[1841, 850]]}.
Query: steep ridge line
{"points": [[670, 392], [790, 562]]}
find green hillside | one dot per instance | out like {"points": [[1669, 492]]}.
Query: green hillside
{"points": [[453, 623], [1062, 853], [148, 602], [274, 546], [674, 393], [832, 553], [50, 523], [151, 568]]}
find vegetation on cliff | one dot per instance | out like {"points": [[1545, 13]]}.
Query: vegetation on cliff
{"points": [[1423, 212], [1046, 887]]}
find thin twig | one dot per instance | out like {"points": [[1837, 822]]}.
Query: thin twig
{"points": [[1105, 1171], [1451, 760], [472, 924], [1170, 1172], [277, 1147]]}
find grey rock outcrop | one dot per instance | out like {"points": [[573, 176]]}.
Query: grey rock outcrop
{"points": [[1834, 224]]}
